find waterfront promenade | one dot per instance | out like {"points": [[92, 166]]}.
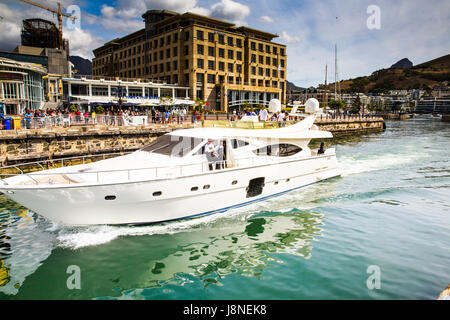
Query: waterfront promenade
{"points": [[80, 139]]}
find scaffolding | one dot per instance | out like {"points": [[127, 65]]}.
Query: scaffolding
{"points": [[41, 33]]}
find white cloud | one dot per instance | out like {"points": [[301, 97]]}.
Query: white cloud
{"points": [[266, 19], [288, 38], [82, 42], [201, 11], [230, 10]]}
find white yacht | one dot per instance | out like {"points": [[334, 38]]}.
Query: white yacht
{"points": [[176, 177]]}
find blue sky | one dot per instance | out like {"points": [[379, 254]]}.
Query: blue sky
{"points": [[418, 30]]}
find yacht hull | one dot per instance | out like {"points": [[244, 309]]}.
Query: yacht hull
{"points": [[145, 202]]}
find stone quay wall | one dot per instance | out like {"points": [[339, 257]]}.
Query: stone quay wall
{"points": [[20, 146]]}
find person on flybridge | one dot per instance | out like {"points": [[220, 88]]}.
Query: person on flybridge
{"points": [[263, 114]]}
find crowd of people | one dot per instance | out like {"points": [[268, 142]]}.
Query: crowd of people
{"points": [[59, 116], [263, 115]]}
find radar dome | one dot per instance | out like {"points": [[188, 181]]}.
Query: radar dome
{"points": [[274, 106], [312, 105]]}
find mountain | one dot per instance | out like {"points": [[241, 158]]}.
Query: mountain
{"points": [[422, 76], [84, 66], [402, 64], [292, 87]]}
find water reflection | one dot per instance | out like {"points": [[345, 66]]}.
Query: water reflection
{"points": [[227, 247], [24, 244]]}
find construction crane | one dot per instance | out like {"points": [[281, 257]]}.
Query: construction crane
{"points": [[58, 12]]}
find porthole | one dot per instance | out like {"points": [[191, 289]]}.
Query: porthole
{"points": [[206, 186], [157, 193], [110, 197], [287, 180], [234, 182], [194, 188]]}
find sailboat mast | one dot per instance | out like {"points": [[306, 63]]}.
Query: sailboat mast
{"points": [[326, 87], [335, 71]]}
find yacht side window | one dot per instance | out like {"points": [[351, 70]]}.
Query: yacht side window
{"points": [[278, 150], [236, 143]]}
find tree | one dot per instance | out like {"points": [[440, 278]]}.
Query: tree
{"points": [[99, 109], [336, 105], [199, 104], [356, 105]]}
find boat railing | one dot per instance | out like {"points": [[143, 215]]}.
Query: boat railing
{"points": [[134, 174]]}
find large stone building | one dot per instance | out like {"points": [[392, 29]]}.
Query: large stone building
{"points": [[21, 86], [220, 63]]}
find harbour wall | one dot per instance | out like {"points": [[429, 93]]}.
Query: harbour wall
{"points": [[20, 146]]}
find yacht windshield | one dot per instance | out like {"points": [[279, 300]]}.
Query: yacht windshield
{"points": [[171, 145]]}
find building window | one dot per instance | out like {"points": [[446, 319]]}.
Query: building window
{"points": [[200, 49], [211, 37], [253, 58], [167, 53], [161, 42], [239, 68], [230, 54], [230, 41], [267, 83], [239, 55], [211, 78], [175, 37], [260, 83], [221, 53], [268, 61], [261, 47], [186, 64], [267, 49], [221, 39], [253, 45], [211, 51], [230, 67], [231, 80], [221, 66], [186, 36], [168, 66], [274, 73], [282, 74], [253, 71], [261, 71], [267, 72], [175, 51], [186, 50], [261, 59], [275, 50], [282, 63], [169, 39], [200, 77], [161, 55], [175, 65], [239, 43], [282, 51], [199, 35], [275, 62]]}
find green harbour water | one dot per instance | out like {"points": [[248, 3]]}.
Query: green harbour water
{"points": [[390, 209]]}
